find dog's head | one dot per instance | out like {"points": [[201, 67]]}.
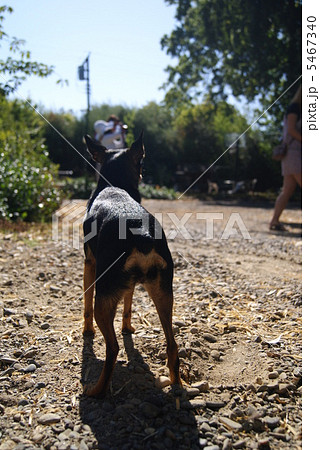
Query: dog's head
{"points": [[119, 168]]}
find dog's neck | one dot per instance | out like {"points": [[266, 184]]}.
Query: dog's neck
{"points": [[104, 184]]}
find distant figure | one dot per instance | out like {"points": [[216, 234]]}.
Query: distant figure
{"points": [[110, 133], [291, 164]]}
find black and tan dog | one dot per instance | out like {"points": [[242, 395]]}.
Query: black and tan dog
{"points": [[124, 245]]}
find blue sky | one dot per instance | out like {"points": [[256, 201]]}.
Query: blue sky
{"points": [[123, 39]]}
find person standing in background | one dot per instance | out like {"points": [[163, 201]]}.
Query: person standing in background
{"points": [[291, 164]]}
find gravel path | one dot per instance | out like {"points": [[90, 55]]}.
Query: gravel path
{"points": [[237, 320]]}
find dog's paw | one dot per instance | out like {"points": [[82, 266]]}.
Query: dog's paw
{"points": [[88, 332], [92, 390], [128, 329]]}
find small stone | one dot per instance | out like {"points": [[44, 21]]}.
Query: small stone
{"points": [[273, 387], [29, 316], [227, 445], [281, 436], [162, 382], [9, 312], [45, 326], [192, 392], [236, 412], [179, 323], [273, 375], [183, 353], [215, 355], [37, 437], [283, 388], [271, 422], [54, 288], [205, 427], [215, 405], [209, 337], [30, 368], [64, 435], [252, 412], [230, 424], [49, 418], [7, 360], [30, 352], [83, 446], [239, 444], [262, 388], [68, 424], [279, 430], [149, 430], [23, 402], [195, 404], [202, 442], [203, 386], [74, 435]]}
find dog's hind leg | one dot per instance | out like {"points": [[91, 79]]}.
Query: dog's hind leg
{"points": [[104, 313], [88, 288], [163, 300], [126, 318]]}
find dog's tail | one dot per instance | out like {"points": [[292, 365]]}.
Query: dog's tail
{"points": [[144, 243]]}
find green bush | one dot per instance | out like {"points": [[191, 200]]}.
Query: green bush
{"points": [[79, 187], [157, 192], [27, 187]]}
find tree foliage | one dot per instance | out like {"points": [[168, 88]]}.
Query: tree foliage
{"points": [[252, 47], [190, 138], [27, 176], [14, 69]]}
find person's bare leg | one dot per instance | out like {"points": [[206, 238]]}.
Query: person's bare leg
{"points": [[298, 178], [289, 185]]}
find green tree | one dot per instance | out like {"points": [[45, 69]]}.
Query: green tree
{"points": [[14, 69], [27, 186], [160, 141], [250, 47], [62, 151], [203, 134]]}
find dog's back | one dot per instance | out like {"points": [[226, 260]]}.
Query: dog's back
{"points": [[129, 245]]}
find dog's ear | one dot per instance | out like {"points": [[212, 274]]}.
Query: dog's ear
{"points": [[137, 149], [96, 150]]}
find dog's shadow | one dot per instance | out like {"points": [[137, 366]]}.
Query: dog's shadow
{"points": [[135, 413]]}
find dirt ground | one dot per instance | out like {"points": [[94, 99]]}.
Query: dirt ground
{"points": [[237, 321]]}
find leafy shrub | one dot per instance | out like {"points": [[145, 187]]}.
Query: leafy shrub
{"points": [[157, 192], [27, 187], [76, 188]]}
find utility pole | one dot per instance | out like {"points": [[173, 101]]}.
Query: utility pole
{"points": [[83, 74]]}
